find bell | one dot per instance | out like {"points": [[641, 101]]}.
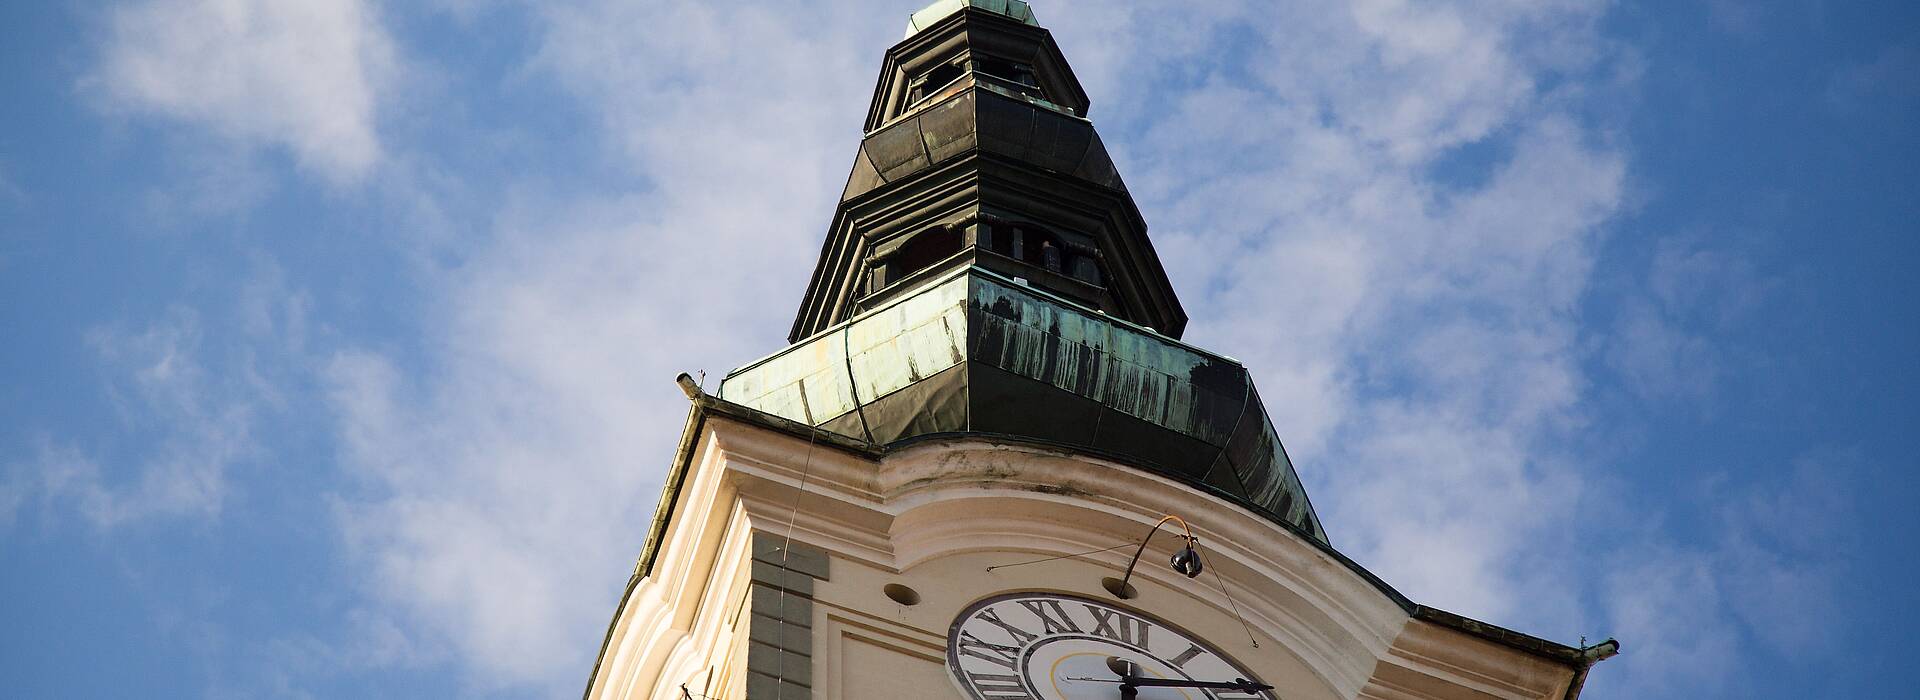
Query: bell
{"points": [[1187, 561]]}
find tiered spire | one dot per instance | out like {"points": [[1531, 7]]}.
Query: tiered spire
{"points": [[978, 152], [988, 275]]}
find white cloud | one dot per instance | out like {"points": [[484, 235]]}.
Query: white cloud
{"points": [[1659, 358], [1664, 341], [204, 179], [1761, 575], [305, 75], [1784, 545], [162, 387], [188, 400], [1669, 607], [1742, 19], [1880, 86], [508, 486], [1415, 335]]}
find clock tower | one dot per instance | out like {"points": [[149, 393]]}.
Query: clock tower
{"points": [[987, 468]]}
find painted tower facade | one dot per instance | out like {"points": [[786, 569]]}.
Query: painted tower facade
{"points": [[948, 486]]}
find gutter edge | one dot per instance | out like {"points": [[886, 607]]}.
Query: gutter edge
{"points": [[669, 495]]}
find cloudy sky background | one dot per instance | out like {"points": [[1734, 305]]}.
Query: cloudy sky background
{"points": [[339, 333]]}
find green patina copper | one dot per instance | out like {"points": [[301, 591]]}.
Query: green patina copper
{"points": [[977, 352], [942, 9]]}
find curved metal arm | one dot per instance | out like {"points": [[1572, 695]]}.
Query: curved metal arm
{"points": [[1191, 540]]}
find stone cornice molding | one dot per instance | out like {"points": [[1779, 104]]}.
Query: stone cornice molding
{"points": [[982, 500], [944, 498]]}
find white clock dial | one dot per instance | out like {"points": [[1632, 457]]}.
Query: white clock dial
{"points": [[1048, 646]]}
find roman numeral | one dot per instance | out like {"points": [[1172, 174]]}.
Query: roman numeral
{"points": [[1020, 636], [1057, 622], [1119, 627], [981, 649], [994, 685], [1180, 661]]}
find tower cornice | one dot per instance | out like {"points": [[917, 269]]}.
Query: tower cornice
{"points": [[975, 33]]}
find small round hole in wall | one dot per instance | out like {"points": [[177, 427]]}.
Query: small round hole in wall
{"points": [[902, 594], [1120, 589]]}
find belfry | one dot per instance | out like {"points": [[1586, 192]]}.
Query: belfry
{"points": [[987, 468]]}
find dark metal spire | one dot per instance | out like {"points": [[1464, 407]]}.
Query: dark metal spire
{"points": [[978, 152]]}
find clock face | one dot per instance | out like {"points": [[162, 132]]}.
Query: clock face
{"points": [[1048, 646]]}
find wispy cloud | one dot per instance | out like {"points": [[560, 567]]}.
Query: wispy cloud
{"points": [[1763, 570], [1664, 343], [163, 388], [506, 485], [189, 392], [206, 179], [299, 74], [1742, 19], [1886, 81], [1416, 331]]}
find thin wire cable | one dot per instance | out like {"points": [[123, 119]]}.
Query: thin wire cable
{"points": [[793, 514], [1222, 583], [786, 547], [1063, 556]]}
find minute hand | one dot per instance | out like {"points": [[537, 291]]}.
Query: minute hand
{"points": [[1130, 683]]}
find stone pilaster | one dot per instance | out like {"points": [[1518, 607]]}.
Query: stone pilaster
{"points": [[780, 631]]}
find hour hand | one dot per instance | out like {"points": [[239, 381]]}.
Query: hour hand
{"points": [[1131, 682]]}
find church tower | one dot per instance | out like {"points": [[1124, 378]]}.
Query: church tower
{"points": [[987, 468]]}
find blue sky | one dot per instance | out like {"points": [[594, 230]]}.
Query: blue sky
{"points": [[339, 335]]}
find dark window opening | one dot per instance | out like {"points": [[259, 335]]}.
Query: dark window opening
{"points": [[1007, 70], [1043, 249], [916, 254], [931, 83], [924, 250], [999, 239]]}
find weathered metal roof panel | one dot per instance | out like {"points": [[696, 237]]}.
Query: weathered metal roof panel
{"points": [[978, 352], [906, 342]]}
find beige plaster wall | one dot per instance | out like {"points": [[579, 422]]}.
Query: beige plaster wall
{"points": [[935, 517]]}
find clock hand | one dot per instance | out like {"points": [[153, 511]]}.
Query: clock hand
{"points": [[1131, 684], [1240, 684], [1131, 681]]}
